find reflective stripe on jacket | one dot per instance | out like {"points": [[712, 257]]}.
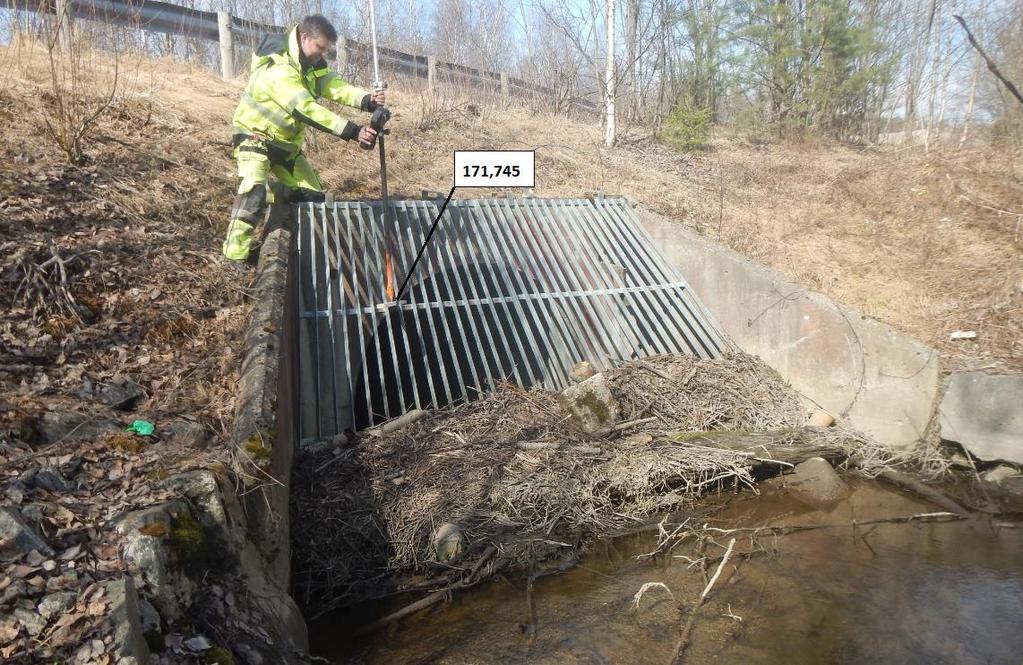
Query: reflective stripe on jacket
{"points": [[280, 99]]}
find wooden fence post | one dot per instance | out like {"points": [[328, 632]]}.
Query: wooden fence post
{"points": [[226, 45], [431, 73], [505, 91]]}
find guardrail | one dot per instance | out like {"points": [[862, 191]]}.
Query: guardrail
{"points": [[223, 28]]}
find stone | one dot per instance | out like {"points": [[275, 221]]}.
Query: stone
{"points": [[815, 483], [51, 479], [145, 547], [17, 538], [591, 404], [31, 621], [447, 542], [129, 646], [57, 603], [821, 418], [59, 425], [984, 414], [189, 434], [582, 371], [122, 393]]}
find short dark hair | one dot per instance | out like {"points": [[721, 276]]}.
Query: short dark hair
{"points": [[316, 25]]}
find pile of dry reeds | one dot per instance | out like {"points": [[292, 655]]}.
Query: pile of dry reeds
{"points": [[522, 483]]}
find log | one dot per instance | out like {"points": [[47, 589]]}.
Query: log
{"points": [[397, 423], [766, 449]]}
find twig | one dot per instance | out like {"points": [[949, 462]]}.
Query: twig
{"points": [[683, 640]]}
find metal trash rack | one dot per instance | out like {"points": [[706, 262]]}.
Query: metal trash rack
{"points": [[508, 289]]}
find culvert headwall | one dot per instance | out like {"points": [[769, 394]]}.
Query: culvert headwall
{"points": [[506, 289]]}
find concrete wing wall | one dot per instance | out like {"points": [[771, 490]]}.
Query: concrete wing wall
{"points": [[884, 382]]}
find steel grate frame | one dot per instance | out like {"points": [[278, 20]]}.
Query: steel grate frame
{"points": [[507, 290]]}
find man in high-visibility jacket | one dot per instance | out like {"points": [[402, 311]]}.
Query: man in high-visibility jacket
{"points": [[289, 73]]}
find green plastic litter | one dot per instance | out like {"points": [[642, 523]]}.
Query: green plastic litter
{"points": [[142, 428]]}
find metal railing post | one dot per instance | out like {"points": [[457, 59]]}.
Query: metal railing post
{"points": [[226, 45]]}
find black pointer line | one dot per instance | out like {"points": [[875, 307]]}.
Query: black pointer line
{"points": [[426, 242]]}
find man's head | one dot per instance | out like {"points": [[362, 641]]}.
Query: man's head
{"points": [[316, 37]]}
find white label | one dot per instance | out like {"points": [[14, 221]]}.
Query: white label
{"points": [[495, 168]]}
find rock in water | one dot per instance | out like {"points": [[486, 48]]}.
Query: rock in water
{"points": [[816, 484]]}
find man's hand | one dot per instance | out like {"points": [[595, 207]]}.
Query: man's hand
{"points": [[367, 137], [380, 97]]}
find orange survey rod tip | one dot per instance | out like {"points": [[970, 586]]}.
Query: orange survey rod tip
{"points": [[388, 276]]}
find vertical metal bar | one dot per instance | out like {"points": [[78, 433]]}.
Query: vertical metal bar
{"points": [[655, 271], [316, 309], [422, 227], [466, 344], [612, 312], [330, 313], [360, 323], [415, 311], [344, 306], [303, 314], [493, 371], [511, 250], [558, 307], [694, 306]]}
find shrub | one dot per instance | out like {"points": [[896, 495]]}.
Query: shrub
{"points": [[687, 128]]}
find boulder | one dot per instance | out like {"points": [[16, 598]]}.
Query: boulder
{"points": [[984, 414], [58, 425], [815, 483], [591, 404], [189, 434], [147, 534], [52, 480], [17, 538], [122, 393], [129, 645]]}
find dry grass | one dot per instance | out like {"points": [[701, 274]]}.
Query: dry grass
{"points": [[929, 243]]}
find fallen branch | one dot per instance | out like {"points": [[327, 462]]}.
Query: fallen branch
{"points": [[683, 640], [397, 423]]}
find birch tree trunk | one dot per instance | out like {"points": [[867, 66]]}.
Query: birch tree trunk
{"points": [[609, 78]]}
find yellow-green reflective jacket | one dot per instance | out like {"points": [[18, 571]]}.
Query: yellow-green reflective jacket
{"points": [[280, 99]]}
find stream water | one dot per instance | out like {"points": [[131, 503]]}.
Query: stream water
{"points": [[894, 593]]}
